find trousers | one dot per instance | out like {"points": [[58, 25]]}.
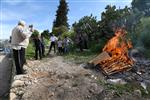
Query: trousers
{"points": [[19, 58]]}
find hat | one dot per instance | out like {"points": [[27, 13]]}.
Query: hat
{"points": [[21, 22]]}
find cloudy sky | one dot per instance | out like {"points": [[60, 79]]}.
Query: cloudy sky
{"points": [[41, 13]]}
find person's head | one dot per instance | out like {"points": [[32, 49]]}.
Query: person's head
{"points": [[51, 34], [31, 26], [65, 36], [42, 35], [59, 39], [22, 23]]}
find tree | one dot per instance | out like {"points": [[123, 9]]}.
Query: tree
{"points": [[88, 25], [59, 30], [35, 34], [113, 18], [46, 34], [107, 22], [61, 15], [142, 5]]}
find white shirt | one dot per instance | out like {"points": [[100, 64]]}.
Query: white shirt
{"points": [[66, 41], [59, 43], [53, 38], [20, 37]]}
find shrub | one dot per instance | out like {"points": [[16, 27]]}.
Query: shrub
{"points": [[141, 36]]}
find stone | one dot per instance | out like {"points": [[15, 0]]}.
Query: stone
{"points": [[12, 96], [95, 89], [29, 82], [19, 77], [144, 85], [20, 93], [51, 94], [116, 81], [18, 83], [84, 65], [137, 93]]}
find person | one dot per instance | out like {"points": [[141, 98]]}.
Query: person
{"points": [[85, 40], [53, 40], [66, 42], [10, 39], [19, 41], [60, 45], [80, 42], [30, 28], [42, 45], [37, 43]]}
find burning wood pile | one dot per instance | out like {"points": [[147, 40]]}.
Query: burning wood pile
{"points": [[114, 57]]}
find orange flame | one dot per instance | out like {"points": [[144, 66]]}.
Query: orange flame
{"points": [[117, 47]]}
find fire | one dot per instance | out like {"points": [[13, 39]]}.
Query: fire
{"points": [[114, 57], [117, 48]]}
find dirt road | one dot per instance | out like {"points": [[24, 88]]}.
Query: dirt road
{"points": [[54, 79]]}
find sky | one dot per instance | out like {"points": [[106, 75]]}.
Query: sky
{"points": [[41, 13]]}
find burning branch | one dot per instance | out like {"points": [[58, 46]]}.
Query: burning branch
{"points": [[117, 49]]}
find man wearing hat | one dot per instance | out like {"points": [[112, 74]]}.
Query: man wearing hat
{"points": [[20, 40]]}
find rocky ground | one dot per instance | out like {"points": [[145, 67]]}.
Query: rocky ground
{"points": [[54, 78]]}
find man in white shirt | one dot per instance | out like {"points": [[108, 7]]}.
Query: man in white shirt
{"points": [[20, 40], [53, 40]]}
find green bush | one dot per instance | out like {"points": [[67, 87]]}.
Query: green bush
{"points": [[35, 34], [69, 34], [98, 45], [141, 36], [30, 51]]}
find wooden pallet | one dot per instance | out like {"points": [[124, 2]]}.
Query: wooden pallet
{"points": [[111, 65]]}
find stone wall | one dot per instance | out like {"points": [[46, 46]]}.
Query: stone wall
{"points": [[6, 66]]}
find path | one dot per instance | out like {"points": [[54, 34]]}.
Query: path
{"points": [[54, 79], [5, 75]]}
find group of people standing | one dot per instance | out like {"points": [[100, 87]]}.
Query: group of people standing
{"points": [[57, 43], [39, 45], [20, 40], [61, 44]]}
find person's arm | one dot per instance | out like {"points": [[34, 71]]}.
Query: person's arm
{"points": [[25, 33], [56, 38]]}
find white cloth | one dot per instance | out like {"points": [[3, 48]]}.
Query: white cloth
{"points": [[53, 38], [66, 41], [20, 37], [59, 43]]}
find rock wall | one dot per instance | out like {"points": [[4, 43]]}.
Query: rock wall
{"points": [[5, 75]]}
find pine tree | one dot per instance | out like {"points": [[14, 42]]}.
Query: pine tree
{"points": [[61, 15]]}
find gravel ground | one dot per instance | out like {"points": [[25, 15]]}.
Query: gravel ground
{"points": [[54, 78]]}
